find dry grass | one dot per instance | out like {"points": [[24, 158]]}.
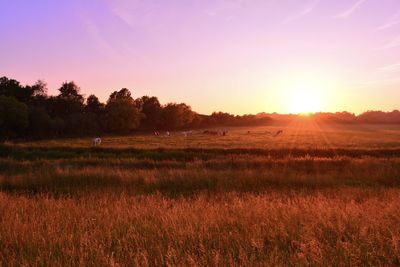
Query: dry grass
{"points": [[345, 227], [325, 204]]}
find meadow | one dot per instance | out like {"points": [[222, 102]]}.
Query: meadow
{"points": [[317, 195]]}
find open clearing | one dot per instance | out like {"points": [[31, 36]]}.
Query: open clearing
{"points": [[315, 195]]}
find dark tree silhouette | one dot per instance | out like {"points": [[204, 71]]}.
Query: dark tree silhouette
{"points": [[123, 94], [10, 87], [177, 116], [40, 123], [68, 102], [70, 91], [121, 114], [93, 105], [152, 110], [13, 117]]}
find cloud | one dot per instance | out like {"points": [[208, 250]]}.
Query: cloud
{"points": [[308, 8], [380, 82], [94, 32], [385, 75], [134, 13], [225, 6], [392, 21], [120, 10], [391, 44], [390, 68], [350, 11]]}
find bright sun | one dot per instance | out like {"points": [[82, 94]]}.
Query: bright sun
{"points": [[304, 100]]}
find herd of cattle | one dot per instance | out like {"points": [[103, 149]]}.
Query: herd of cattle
{"points": [[97, 140]]}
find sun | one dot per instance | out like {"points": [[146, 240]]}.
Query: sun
{"points": [[304, 100]]}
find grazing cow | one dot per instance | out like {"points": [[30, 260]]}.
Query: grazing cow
{"points": [[96, 141], [167, 133], [156, 133]]}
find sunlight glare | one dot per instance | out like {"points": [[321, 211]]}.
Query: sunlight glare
{"points": [[304, 100]]}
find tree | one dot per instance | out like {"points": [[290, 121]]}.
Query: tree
{"points": [[81, 124], [13, 117], [39, 88], [40, 123], [152, 110], [70, 91], [93, 105], [11, 87], [38, 94], [121, 114], [68, 102], [222, 119], [177, 116], [123, 94]]}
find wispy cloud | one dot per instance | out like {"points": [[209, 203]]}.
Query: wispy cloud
{"points": [[390, 68], [392, 21], [308, 8], [383, 81], [226, 6], [390, 44], [350, 11], [120, 10], [134, 13], [94, 32], [385, 75]]}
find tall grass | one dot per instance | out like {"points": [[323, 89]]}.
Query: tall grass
{"points": [[198, 202], [239, 174], [347, 227]]}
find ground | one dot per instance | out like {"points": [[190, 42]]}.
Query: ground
{"points": [[316, 195]]}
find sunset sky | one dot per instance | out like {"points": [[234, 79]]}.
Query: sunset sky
{"points": [[243, 56]]}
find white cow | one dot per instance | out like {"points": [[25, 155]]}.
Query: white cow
{"points": [[97, 141]]}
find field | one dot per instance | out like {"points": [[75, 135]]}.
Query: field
{"points": [[316, 195]]}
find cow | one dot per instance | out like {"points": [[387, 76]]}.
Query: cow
{"points": [[96, 141]]}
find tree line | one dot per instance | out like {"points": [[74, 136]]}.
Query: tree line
{"points": [[27, 111], [344, 117]]}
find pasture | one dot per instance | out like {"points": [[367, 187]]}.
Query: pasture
{"points": [[298, 134], [316, 195]]}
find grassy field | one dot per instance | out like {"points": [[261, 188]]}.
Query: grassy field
{"points": [[299, 134], [315, 195]]}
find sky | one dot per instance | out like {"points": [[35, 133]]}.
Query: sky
{"points": [[237, 56]]}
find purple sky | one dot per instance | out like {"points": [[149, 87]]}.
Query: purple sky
{"points": [[238, 56]]}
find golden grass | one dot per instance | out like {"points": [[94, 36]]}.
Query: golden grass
{"points": [[346, 227], [316, 197]]}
